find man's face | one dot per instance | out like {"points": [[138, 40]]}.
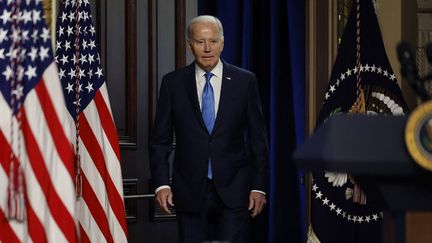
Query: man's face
{"points": [[206, 45]]}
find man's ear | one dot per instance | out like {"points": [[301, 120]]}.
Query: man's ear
{"points": [[189, 44]]}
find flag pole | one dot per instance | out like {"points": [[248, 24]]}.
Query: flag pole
{"points": [[53, 22]]}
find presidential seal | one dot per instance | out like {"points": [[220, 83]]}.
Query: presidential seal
{"points": [[418, 135]]}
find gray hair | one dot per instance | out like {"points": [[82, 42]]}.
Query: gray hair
{"points": [[204, 19]]}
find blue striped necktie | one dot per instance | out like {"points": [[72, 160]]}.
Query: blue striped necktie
{"points": [[208, 111]]}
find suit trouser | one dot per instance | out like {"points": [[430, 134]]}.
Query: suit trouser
{"points": [[215, 222]]}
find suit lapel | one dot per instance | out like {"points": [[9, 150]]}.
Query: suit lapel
{"points": [[227, 92], [191, 90]]}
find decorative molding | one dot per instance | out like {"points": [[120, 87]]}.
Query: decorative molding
{"points": [[311, 65], [101, 33], [180, 43], [153, 60], [128, 134], [333, 38], [424, 4], [424, 37], [130, 188], [321, 40], [311, 92], [130, 137], [321, 43]]}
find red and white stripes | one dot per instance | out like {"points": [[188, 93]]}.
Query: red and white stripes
{"points": [[101, 208], [48, 163], [46, 157]]}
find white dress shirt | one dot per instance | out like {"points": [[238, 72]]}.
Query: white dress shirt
{"points": [[215, 81]]}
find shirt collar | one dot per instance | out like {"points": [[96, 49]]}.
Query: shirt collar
{"points": [[217, 70]]}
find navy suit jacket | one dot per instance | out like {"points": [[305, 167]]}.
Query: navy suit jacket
{"points": [[237, 146]]}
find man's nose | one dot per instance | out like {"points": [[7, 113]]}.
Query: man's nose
{"points": [[207, 46]]}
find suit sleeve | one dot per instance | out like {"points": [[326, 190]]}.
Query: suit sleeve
{"points": [[258, 139], [162, 138]]}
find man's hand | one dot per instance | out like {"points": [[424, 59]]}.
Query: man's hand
{"points": [[163, 198], [257, 202]]}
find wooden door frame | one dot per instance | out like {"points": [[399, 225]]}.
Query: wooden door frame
{"points": [[321, 48]]}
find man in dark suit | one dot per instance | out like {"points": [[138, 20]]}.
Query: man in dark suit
{"points": [[220, 168]]}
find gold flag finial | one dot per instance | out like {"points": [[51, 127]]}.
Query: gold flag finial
{"points": [[47, 4]]}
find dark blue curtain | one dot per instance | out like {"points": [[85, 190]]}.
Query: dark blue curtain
{"points": [[267, 38]]}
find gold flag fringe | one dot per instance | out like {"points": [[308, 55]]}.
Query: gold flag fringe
{"points": [[311, 237]]}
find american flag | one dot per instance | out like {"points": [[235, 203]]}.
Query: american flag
{"points": [[37, 193], [345, 208], [101, 211]]}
